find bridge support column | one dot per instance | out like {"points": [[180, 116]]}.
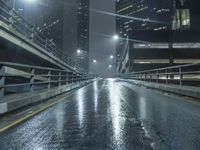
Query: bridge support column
{"points": [[2, 81]]}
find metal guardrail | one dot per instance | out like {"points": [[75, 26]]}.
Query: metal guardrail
{"points": [[180, 75], [19, 24], [16, 78]]}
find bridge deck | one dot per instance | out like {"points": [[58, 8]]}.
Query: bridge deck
{"points": [[111, 114]]}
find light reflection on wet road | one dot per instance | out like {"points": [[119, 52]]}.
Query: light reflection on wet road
{"points": [[110, 114]]}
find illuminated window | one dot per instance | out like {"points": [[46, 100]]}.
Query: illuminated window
{"points": [[181, 19]]}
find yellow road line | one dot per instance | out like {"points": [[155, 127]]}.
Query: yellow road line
{"points": [[38, 111], [32, 114]]}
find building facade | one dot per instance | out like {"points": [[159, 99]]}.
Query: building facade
{"points": [[139, 15], [68, 27], [83, 33], [145, 44], [142, 15], [186, 16], [65, 23]]}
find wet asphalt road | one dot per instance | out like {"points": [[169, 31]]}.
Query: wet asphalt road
{"points": [[110, 114]]}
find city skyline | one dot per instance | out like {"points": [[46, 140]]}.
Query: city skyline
{"points": [[71, 23]]}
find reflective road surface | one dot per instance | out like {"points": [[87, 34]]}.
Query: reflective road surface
{"points": [[110, 114]]}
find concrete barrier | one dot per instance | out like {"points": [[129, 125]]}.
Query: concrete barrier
{"points": [[190, 91], [14, 102]]}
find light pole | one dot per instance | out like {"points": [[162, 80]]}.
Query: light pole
{"points": [[14, 4]]}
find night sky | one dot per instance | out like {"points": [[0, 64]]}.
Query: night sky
{"points": [[101, 47]]}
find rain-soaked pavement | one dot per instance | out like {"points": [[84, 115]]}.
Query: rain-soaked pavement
{"points": [[110, 114]]}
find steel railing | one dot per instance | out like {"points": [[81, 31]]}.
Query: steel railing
{"points": [[20, 25], [17, 78], [180, 75]]}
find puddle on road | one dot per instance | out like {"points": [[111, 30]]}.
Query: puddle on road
{"points": [[157, 142], [150, 138]]}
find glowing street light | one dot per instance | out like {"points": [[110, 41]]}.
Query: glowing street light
{"points": [[111, 56], [78, 51], [115, 37], [110, 66], [94, 61]]}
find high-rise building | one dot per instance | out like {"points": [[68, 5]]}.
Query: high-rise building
{"points": [[50, 21], [147, 41], [65, 23], [139, 15], [83, 33], [142, 15]]}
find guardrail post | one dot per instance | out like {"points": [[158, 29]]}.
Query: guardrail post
{"points": [[76, 77], [2, 81], [137, 76], [59, 79], [166, 72], [157, 76], [32, 34], [72, 78], [79, 78], [181, 76], [69, 78], [85, 77], [150, 76], [66, 78], [11, 20], [32, 79], [49, 79]]}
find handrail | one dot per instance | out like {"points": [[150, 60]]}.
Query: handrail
{"points": [[18, 23], [29, 66], [16, 78], [188, 74], [171, 67]]}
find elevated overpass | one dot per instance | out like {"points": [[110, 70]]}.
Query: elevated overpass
{"points": [[47, 101], [22, 43], [32, 68]]}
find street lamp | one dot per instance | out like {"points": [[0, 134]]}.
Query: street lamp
{"points": [[78, 51], [110, 66], [111, 56], [116, 37], [14, 4], [94, 61]]}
